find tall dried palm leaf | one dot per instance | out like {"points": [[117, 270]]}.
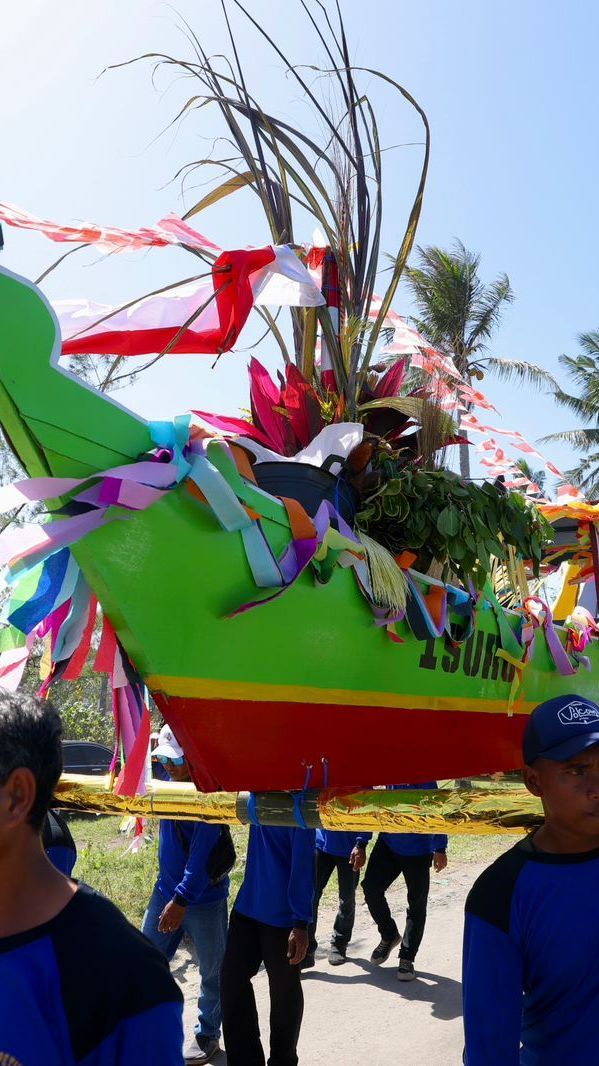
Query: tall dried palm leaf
{"points": [[336, 177]]}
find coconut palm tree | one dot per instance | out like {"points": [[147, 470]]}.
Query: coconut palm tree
{"points": [[583, 369], [456, 311], [538, 477]]}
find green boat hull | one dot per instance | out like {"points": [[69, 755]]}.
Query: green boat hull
{"points": [[305, 681]]}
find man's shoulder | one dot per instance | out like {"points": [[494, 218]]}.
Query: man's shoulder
{"points": [[88, 905], [109, 971], [108, 934], [491, 895]]}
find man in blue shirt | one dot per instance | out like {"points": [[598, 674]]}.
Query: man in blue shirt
{"points": [[185, 900], [531, 939], [345, 852], [269, 924], [412, 855], [80, 986]]}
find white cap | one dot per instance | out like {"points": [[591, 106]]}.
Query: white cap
{"points": [[168, 746]]}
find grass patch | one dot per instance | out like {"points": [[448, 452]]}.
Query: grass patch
{"points": [[464, 848], [126, 879]]}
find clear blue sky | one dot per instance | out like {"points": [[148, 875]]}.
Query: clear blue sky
{"points": [[511, 92]]}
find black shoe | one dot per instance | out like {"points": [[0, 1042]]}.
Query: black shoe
{"points": [[406, 971], [336, 955], [383, 950], [307, 962], [202, 1050]]}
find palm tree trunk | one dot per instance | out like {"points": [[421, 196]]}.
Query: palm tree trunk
{"points": [[465, 459], [462, 365]]}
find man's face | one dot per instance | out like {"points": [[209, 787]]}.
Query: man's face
{"points": [[178, 771], [569, 791]]}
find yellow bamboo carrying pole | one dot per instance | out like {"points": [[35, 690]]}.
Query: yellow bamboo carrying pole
{"points": [[453, 811]]}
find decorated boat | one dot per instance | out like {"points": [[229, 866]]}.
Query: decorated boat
{"points": [[251, 622], [309, 593]]}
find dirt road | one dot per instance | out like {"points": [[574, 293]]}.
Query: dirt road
{"points": [[360, 1013]]}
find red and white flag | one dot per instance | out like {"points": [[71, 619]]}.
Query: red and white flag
{"points": [[222, 304]]}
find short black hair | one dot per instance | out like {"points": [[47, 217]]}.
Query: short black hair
{"points": [[30, 736]]}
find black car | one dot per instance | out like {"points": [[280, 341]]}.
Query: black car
{"points": [[85, 757]]}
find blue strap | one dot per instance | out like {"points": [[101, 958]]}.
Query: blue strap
{"points": [[298, 800], [252, 813], [325, 771]]}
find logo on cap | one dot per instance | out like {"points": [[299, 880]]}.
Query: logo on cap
{"points": [[577, 713]]}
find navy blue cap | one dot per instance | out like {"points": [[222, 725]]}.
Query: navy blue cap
{"points": [[561, 728]]}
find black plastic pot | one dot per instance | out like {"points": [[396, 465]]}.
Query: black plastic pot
{"points": [[310, 485]]}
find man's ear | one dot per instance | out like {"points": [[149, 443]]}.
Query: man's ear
{"points": [[18, 796], [532, 780]]}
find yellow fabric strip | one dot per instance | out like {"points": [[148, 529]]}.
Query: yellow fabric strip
{"points": [[502, 809], [464, 811], [568, 597]]}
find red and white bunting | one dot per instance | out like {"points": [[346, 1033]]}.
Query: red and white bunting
{"points": [[169, 230]]}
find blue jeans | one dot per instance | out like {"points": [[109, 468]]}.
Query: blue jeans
{"points": [[207, 927]]}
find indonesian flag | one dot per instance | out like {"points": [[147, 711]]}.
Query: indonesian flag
{"points": [[215, 309], [209, 313]]}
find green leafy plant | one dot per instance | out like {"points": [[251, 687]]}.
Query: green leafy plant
{"points": [[463, 526]]}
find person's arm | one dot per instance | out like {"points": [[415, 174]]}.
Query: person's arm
{"points": [[357, 857], [439, 852], [195, 878], [492, 987], [300, 893]]}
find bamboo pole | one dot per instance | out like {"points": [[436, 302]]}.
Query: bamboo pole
{"points": [[453, 811]]}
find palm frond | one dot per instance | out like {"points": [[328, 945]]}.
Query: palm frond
{"points": [[456, 311], [583, 439], [520, 370], [589, 342], [584, 408], [586, 476], [486, 314]]}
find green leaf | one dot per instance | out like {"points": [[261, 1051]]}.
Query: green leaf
{"points": [[457, 549], [227, 187], [448, 522]]}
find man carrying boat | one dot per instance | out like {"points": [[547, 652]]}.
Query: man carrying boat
{"points": [[186, 899], [410, 854], [269, 924], [345, 852], [531, 938], [79, 983]]}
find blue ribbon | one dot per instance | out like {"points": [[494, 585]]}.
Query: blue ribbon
{"points": [[252, 813]]}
